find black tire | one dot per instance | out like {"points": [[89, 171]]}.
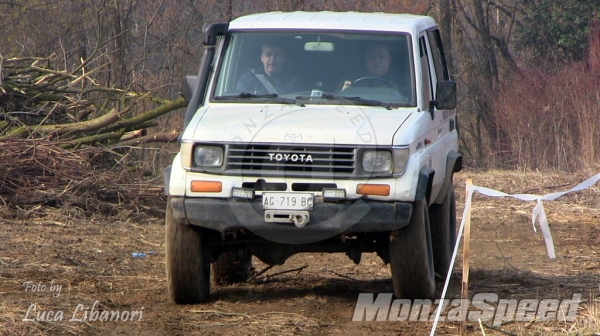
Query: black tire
{"points": [[188, 266], [411, 260], [230, 268], [442, 219]]}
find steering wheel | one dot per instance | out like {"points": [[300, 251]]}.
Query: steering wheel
{"points": [[373, 78]]}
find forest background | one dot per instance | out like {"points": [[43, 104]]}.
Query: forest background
{"points": [[528, 70]]}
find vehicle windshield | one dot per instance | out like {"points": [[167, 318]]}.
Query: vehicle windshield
{"points": [[317, 68]]}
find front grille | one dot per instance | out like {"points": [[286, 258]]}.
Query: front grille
{"points": [[291, 158]]}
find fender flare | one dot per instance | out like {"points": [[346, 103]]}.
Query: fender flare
{"points": [[453, 165], [425, 183]]}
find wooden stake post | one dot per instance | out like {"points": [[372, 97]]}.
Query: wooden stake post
{"points": [[466, 251]]}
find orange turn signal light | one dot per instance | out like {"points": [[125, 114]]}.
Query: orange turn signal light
{"points": [[373, 189], [206, 186]]}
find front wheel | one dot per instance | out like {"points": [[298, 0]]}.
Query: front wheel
{"points": [[411, 261], [188, 266], [443, 232]]}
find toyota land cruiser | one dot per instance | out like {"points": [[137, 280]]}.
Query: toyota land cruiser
{"points": [[293, 144]]}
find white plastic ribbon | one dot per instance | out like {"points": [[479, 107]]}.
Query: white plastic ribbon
{"points": [[538, 211]]}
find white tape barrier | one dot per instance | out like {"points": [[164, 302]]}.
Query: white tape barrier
{"points": [[538, 212]]}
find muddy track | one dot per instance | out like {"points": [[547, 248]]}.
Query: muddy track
{"points": [[311, 294]]}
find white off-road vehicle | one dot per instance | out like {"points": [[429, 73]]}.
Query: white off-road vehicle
{"points": [[315, 132]]}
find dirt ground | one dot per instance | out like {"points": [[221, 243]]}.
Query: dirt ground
{"points": [[52, 263]]}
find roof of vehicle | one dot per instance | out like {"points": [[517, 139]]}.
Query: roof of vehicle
{"points": [[334, 20]]}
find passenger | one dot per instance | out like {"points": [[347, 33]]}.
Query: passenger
{"points": [[272, 77]]}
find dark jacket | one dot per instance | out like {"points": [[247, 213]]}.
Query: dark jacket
{"points": [[250, 82]]}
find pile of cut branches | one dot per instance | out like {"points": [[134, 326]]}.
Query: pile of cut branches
{"points": [[37, 100], [65, 138], [34, 172]]}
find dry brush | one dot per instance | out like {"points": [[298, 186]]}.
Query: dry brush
{"points": [[65, 138]]}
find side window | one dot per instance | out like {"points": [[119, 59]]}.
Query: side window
{"points": [[439, 58], [228, 70], [425, 72]]}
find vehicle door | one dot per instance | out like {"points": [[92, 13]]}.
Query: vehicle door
{"points": [[434, 69]]}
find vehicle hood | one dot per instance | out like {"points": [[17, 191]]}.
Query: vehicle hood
{"points": [[325, 124]]}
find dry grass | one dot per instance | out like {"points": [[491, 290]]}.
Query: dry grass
{"points": [[551, 118]]}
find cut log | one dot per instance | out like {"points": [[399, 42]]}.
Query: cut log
{"points": [[158, 137], [82, 126]]}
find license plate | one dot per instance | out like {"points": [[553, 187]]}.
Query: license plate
{"points": [[287, 201]]}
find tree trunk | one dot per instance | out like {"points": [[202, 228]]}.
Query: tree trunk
{"points": [[446, 16], [499, 141]]}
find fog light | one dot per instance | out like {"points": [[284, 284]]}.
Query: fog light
{"points": [[244, 193], [330, 195]]}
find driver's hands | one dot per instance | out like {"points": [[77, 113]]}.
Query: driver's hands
{"points": [[347, 84]]}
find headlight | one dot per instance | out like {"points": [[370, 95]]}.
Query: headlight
{"points": [[377, 161], [208, 156], [401, 156]]}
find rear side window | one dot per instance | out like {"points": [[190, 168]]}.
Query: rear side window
{"points": [[425, 71], [439, 58]]}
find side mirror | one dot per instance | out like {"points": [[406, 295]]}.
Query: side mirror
{"points": [[445, 95], [445, 99]]}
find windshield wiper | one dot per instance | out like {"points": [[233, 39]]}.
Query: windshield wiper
{"points": [[359, 100], [271, 96]]}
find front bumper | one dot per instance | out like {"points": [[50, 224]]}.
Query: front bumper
{"points": [[331, 218]]}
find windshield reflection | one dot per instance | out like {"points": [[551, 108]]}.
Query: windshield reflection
{"points": [[317, 68]]}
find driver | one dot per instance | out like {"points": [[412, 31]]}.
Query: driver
{"points": [[377, 64], [271, 78]]}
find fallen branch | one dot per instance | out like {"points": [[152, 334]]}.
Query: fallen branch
{"points": [[342, 275], [82, 126], [147, 116], [299, 269], [91, 139], [259, 273], [158, 137], [133, 135]]}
